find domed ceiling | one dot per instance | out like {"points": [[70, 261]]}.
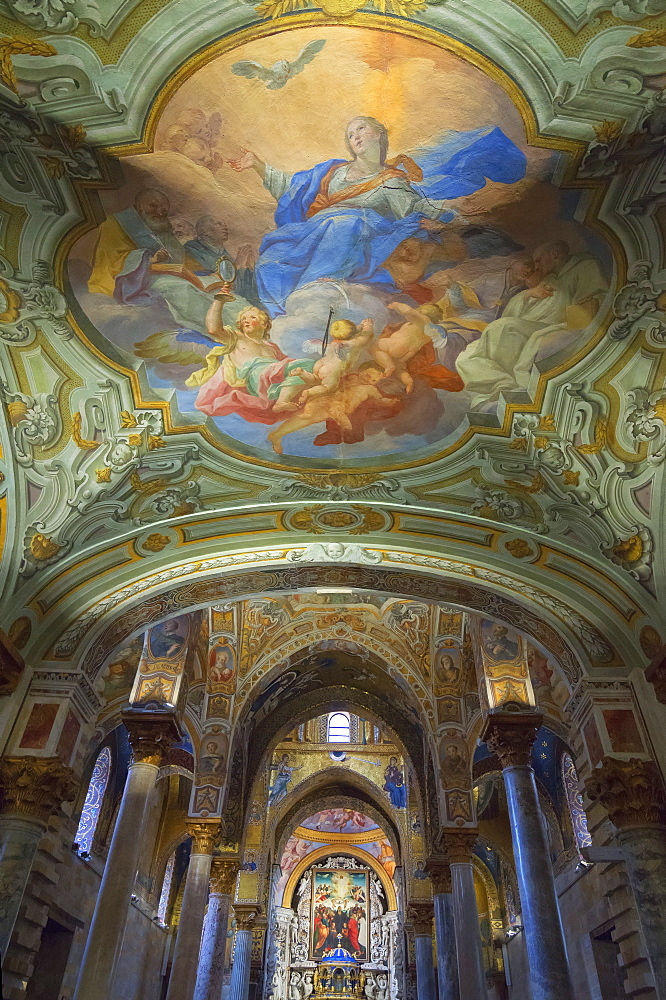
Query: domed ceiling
{"points": [[286, 284]]}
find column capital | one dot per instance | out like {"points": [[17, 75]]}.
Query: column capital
{"points": [[246, 914], [459, 844], [511, 735], [35, 787], [203, 834], [223, 875], [439, 870], [419, 914], [151, 734], [630, 790]]}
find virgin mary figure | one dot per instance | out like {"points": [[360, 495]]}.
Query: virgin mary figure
{"points": [[343, 219]]}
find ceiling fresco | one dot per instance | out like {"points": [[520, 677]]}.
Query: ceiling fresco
{"points": [[434, 371], [395, 266]]}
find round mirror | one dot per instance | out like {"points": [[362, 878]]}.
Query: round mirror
{"points": [[226, 269]]}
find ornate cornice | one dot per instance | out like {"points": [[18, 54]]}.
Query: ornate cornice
{"points": [[223, 876], [246, 915], [459, 844], [439, 870], [631, 790], [419, 915], [35, 787], [203, 836], [511, 736], [151, 734]]}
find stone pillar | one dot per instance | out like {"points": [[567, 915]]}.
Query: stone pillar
{"points": [[420, 916], [445, 934], [33, 788], [188, 940], [151, 735], [471, 975], [239, 987], [511, 736], [210, 975], [632, 793]]}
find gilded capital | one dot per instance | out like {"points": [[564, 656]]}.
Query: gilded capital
{"points": [[223, 875], [459, 844], [511, 736], [203, 836], [439, 870], [151, 734], [35, 787], [419, 915], [630, 790], [246, 916]]}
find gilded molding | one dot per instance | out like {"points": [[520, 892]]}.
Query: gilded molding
{"points": [[35, 787]]}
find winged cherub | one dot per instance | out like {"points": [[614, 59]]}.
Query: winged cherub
{"points": [[281, 71]]}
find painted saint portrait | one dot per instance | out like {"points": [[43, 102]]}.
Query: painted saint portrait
{"points": [[448, 667], [222, 668], [167, 640], [284, 770], [346, 286], [394, 784], [339, 913], [213, 758], [500, 643], [121, 668]]}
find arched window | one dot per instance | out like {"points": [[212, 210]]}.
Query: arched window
{"points": [[575, 802], [163, 904], [93, 804], [339, 725]]}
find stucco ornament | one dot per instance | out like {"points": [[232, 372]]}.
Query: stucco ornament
{"points": [[497, 503], [639, 304], [634, 553], [334, 552], [646, 420], [626, 10], [53, 15]]}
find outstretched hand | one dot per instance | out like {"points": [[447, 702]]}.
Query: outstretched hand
{"points": [[245, 161]]}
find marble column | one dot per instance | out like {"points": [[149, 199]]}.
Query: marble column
{"points": [[32, 788], [150, 734], [239, 987], [188, 940], [445, 934], [632, 793], [210, 974], [511, 736], [471, 974], [420, 915]]}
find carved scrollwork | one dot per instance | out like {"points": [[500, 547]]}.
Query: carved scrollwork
{"points": [[639, 305]]}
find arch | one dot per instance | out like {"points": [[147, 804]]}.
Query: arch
{"points": [[338, 727], [355, 852], [325, 789], [92, 806], [546, 619]]}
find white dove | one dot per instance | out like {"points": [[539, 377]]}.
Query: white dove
{"points": [[281, 71]]}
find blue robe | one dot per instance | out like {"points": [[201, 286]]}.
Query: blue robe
{"points": [[350, 243]]}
